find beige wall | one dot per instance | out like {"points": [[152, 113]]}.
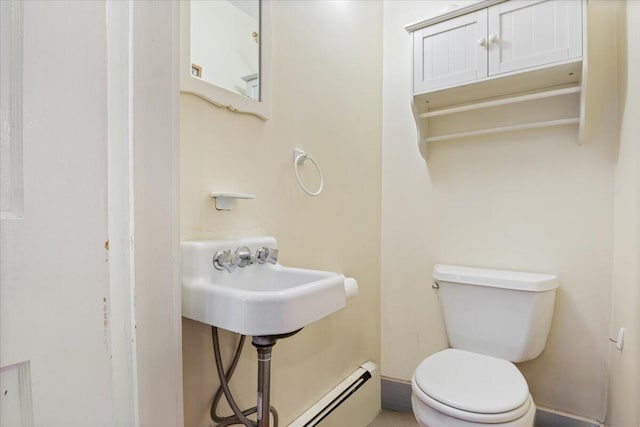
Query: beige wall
{"points": [[326, 77], [624, 394], [534, 201]]}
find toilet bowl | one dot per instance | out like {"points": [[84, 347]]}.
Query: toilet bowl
{"points": [[492, 318], [462, 389]]}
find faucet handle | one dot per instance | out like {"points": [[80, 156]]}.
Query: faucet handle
{"points": [[244, 256], [265, 254], [272, 257], [225, 260], [262, 254]]}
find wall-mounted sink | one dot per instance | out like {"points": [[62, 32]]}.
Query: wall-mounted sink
{"points": [[260, 298]]}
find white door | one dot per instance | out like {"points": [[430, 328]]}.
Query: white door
{"points": [[524, 34], [54, 271], [450, 53], [89, 165]]}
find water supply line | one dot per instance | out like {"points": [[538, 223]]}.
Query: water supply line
{"points": [[240, 416], [264, 345]]}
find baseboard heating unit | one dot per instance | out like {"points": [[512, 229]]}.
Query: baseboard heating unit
{"points": [[334, 398]]}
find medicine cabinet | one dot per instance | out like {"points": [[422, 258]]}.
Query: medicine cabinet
{"points": [[498, 66]]}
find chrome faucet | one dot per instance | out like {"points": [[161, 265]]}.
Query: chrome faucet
{"points": [[262, 254], [225, 260], [265, 254], [272, 258], [229, 260], [244, 256]]}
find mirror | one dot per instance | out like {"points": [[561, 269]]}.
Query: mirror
{"points": [[224, 55]]}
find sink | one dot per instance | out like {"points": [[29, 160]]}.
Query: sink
{"points": [[258, 299]]}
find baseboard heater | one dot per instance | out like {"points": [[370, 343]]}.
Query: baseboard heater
{"points": [[330, 401]]}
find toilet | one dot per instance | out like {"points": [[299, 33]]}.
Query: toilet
{"points": [[493, 319]]}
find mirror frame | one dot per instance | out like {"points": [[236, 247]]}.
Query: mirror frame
{"points": [[218, 95]]}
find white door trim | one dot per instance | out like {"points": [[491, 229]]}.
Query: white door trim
{"points": [[121, 304], [145, 306]]}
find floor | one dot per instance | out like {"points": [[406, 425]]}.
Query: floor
{"points": [[394, 419]]}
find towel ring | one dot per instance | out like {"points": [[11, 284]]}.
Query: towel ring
{"points": [[299, 157]]}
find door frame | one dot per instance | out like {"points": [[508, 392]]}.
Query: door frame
{"points": [[143, 207]]}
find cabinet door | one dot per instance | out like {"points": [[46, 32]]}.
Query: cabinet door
{"points": [[524, 34], [450, 53]]}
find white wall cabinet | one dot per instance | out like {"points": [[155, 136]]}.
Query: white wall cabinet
{"points": [[526, 34], [499, 66], [505, 37], [451, 52]]}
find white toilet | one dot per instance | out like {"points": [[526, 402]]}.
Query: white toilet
{"points": [[492, 318]]}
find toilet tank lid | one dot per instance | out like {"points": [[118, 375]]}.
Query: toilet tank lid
{"points": [[516, 280]]}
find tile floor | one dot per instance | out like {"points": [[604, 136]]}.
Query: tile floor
{"points": [[394, 419]]}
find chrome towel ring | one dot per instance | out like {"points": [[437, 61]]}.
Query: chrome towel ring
{"points": [[299, 157]]}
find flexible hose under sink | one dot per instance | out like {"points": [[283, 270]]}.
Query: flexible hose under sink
{"points": [[240, 417]]}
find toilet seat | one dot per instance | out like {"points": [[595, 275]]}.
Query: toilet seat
{"points": [[473, 417], [472, 387]]}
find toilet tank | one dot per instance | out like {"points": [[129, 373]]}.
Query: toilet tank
{"points": [[505, 314]]}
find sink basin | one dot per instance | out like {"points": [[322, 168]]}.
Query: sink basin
{"points": [[259, 299]]}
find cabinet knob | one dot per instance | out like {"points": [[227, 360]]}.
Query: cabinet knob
{"points": [[482, 41], [493, 38]]}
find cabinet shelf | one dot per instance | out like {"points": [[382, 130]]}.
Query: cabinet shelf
{"points": [[512, 128], [501, 101], [548, 107]]}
